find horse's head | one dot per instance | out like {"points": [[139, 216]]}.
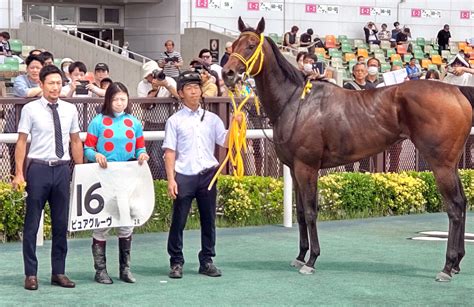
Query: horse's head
{"points": [[245, 57]]}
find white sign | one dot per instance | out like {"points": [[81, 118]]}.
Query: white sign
{"points": [[268, 6], [328, 9], [394, 77], [120, 195], [430, 13], [380, 11]]}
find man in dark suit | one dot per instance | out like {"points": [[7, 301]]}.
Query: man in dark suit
{"points": [[52, 123]]}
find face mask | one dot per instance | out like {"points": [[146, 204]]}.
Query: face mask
{"points": [[66, 69], [308, 67], [372, 70], [119, 114]]}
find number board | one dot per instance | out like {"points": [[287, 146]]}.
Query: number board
{"points": [[120, 195]]}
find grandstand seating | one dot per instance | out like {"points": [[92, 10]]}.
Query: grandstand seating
{"points": [[407, 57], [16, 46], [436, 59], [330, 41]]}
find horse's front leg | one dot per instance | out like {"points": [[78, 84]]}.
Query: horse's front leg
{"points": [[307, 178], [304, 243]]}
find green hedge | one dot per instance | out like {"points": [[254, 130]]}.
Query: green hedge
{"points": [[259, 200]]}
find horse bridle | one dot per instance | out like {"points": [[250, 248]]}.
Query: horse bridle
{"points": [[257, 55]]}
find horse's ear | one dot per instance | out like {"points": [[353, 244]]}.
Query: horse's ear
{"points": [[260, 26], [242, 26]]}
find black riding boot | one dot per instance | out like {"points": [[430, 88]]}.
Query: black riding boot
{"points": [[125, 245], [98, 252]]}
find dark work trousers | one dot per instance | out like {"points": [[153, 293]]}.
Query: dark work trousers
{"points": [[190, 187], [46, 183]]}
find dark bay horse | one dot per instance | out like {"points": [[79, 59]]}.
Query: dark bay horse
{"points": [[333, 126]]}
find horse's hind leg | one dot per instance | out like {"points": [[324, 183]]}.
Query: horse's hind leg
{"points": [[461, 250], [449, 185], [307, 178], [304, 243]]}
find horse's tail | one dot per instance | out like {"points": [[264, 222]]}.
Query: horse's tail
{"points": [[468, 92]]}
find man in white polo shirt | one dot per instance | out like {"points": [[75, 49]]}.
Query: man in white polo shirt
{"points": [[52, 123], [191, 135]]}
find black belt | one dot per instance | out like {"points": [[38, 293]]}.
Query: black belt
{"points": [[50, 163], [207, 170]]}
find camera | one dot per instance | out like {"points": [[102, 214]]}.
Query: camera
{"points": [[171, 59], [158, 75], [81, 88], [198, 68]]}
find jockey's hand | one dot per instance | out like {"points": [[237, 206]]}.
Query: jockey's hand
{"points": [[458, 71], [238, 117], [101, 159], [143, 157]]}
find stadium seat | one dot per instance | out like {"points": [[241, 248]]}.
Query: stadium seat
{"points": [[57, 62], [397, 63], [395, 57], [362, 52], [330, 41], [432, 67], [425, 63], [380, 57], [468, 50], [336, 62], [346, 48], [419, 54], [434, 52], [462, 45], [420, 41], [428, 48], [358, 42], [402, 49], [334, 53], [384, 67], [445, 54], [436, 59], [320, 52], [12, 62], [374, 47], [390, 52], [274, 37], [16, 46], [349, 56], [25, 50], [407, 57], [342, 38], [385, 45]]}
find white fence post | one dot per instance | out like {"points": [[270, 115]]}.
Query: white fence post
{"points": [[287, 198]]}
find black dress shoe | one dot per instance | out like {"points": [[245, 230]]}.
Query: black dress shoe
{"points": [[210, 269], [62, 281], [31, 283], [176, 271]]}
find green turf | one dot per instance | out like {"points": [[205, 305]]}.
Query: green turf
{"points": [[363, 262]]}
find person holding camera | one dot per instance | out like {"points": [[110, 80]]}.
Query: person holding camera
{"points": [[155, 83], [78, 85], [170, 60], [370, 31]]}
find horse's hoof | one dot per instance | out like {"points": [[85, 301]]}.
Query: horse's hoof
{"points": [[443, 277], [455, 271], [306, 270], [297, 264]]}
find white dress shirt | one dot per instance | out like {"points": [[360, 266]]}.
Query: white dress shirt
{"points": [[37, 120], [194, 140]]}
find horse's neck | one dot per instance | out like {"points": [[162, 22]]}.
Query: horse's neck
{"points": [[274, 90]]}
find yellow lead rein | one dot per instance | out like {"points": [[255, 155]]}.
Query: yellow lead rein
{"points": [[238, 133]]}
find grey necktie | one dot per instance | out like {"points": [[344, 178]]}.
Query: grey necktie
{"points": [[58, 137]]}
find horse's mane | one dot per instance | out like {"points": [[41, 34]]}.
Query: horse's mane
{"points": [[289, 70]]}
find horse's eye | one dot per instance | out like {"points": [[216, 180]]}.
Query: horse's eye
{"points": [[250, 47]]}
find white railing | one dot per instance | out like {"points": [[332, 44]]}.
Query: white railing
{"points": [[211, 26], [72, 30], [251, 134]]}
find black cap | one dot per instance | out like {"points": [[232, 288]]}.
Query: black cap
{"points": [[188, 77], [101, 66]]}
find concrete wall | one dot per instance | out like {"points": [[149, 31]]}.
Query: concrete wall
{"points": [[195, 39], [148, 26], [10, 14], [63, 45], [348, 21]]}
